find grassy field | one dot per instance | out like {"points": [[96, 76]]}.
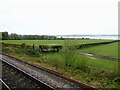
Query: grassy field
{"points": [[96, 72], [93, 63], [49, 42], [107, 50]]}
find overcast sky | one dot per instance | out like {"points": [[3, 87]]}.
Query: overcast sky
{"points": [[59, 17]]}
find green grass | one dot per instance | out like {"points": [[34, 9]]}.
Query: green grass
{"points": [[107, 50], [49, 42], [96, 72], [93, 63], [52, 58]]}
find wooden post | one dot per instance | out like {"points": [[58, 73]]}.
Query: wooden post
{"points": [[33, 46]]}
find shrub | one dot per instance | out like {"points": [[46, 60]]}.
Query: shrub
{"points": [[8, 50], [32, 52], [23, 45], [68, 52], [117, 80], [55, 61], [80, 63], [28, 52], [69, 57], [83, 63]]}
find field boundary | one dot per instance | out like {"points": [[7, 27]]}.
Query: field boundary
{"points": [[95, 44]]}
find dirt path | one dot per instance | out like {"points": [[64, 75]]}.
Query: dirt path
{"points": [[99, 56]]}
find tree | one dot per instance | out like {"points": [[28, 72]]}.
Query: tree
{"points": [[5, 36], [14, 36]]}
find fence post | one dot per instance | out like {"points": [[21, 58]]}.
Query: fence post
{"points": [[33, 46]]}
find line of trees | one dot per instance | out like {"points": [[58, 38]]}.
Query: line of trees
{"points": [[14, 36]]}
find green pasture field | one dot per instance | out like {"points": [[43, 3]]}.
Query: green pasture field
{"points": [[51, 42], [107, 50], [93, 63], [94, 71]]}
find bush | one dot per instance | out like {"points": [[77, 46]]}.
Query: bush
{"points": [[23, 45], [68, 52], [69, 57], [117, 80], [32, 52], [80, 63], [28, 52], [8, 50], [55, 61]]}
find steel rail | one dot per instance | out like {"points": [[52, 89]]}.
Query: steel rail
{"points": [[8, 88], [27, 74], [81, 84]]}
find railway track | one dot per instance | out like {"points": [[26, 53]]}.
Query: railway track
{"points": [[48, 78], [14, 78], [4, 85]]}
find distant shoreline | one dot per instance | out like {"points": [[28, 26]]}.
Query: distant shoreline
{"points": [[113, 37]]}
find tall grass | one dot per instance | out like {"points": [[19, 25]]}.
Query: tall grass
{"points": [[68, 52], [55, 60], [70, 57], [81, 63]]}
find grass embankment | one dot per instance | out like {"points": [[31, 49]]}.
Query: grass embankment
{"points": [[96, 72], [48, 42], [106, 50]]}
